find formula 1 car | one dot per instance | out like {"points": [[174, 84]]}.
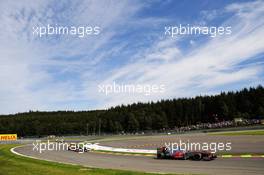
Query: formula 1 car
{"points": [[166, 153], [74, 147]]}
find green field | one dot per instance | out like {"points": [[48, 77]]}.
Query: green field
{"points": [[11, 164], [237, 133]]}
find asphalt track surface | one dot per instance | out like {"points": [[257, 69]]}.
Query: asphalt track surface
{"points": [[253, 144], [234, 166]]}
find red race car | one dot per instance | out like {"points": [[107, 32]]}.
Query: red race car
{"points": [[166, 153]]}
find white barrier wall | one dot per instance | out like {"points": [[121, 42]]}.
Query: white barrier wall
{"points": [[124, 150]]}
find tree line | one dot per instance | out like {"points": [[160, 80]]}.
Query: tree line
{"points": [[153, 116]]}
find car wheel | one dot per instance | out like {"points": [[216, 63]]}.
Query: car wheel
{"points": [[197, 157]]}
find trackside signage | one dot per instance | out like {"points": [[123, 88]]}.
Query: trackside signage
{"points": [[8, 137]]}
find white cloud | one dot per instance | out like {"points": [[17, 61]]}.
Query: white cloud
{"points": [[208, 66], [32, 70], [27, 83]]}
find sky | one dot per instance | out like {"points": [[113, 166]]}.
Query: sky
{"points": [[63, 72]]}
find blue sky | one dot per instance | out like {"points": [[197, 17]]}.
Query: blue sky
{"points": [[63, 72]]}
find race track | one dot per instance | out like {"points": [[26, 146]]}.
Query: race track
{"points": [[235, 166]]}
